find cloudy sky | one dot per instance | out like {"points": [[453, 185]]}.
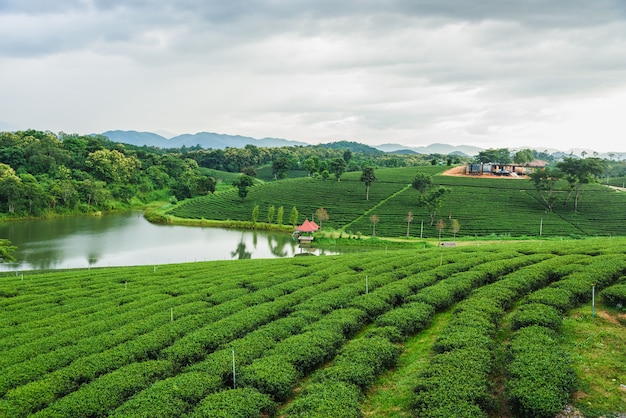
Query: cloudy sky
{"points": [[490, 73]]}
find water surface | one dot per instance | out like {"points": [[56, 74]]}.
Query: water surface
{"points": [[126, 239]]}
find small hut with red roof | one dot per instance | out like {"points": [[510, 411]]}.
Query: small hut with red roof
{"points": [[307, 227]]}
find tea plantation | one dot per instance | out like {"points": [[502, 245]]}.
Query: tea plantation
{"points": [[319, 336], [504, 207]]}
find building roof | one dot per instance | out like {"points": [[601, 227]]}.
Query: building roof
{"points": [[308, 226]]}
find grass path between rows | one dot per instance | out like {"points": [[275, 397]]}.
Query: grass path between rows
{"points": [[598, 349], [392, 396]]}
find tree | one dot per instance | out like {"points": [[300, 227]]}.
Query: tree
{"points": [[501, 155], [111, 166], [279, 215], [441, 225], [270, 214], [545, 182], [242, 184], [325, 174], [432, 200], [456, 227], [422, 182], [280, 167], [10, 187], [322, 215], [338, 166], [311, 164], [578, 172], [523, 156], [368, 177], [255, 214], [293, 216], [374, 219], [6, 251], [249, 171], [347, 155], [204, 185], [93, 192], [408, 219]]}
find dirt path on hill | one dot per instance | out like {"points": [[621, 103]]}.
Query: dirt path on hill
{"points": [[460, 172], [621, 189]]}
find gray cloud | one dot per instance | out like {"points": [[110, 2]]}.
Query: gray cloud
{"points": [[360, 68]]}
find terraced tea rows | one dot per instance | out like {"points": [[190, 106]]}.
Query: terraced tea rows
{"points": [[294, 337], [482, 206]]}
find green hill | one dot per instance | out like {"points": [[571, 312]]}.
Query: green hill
{"points": [[482, 207]]}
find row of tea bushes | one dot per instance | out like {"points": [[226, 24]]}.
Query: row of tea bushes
{"points": [[456, 382], [541, 378], [290, 322], [361, 360], [614, 296]]}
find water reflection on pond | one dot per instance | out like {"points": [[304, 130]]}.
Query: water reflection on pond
{"points": [[128, 239]]}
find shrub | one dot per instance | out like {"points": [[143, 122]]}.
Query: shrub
{"points": [[360, 362], [109, 391], [541, 376], [172, 397], [458, 377], [393, 334], [614, 296], [409, 318], [536, 314], [243, 402], [329, 399], [273, 375], [560, 299]]}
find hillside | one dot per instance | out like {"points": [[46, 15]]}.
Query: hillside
{"points": [[482, 207], [401, 333]]}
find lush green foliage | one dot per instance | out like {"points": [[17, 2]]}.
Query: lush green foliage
{"points": [[43, 174], [541, 378], [140, 341], [614, 296], [481, 207]]}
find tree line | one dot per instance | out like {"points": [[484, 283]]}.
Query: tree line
{"points": [[43, 173]]}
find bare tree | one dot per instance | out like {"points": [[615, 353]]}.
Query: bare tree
{"points": [[408, 219], [322, 215], [455, 226], [441, 225], [374, 219]]}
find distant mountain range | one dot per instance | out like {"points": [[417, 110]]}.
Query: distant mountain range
{"points": [[432, 149], [203, 139], [211, 140]]}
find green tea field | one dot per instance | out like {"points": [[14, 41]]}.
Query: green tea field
{"points": [[502, 330], [480, 206]]}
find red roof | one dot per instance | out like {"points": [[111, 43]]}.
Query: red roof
{"points": [[308, 226]]}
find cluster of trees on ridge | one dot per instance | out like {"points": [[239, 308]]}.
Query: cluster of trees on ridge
{"points": [[43, 174]]}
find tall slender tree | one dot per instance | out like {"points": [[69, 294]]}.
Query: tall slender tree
{"points": [[338, 165], [374, 219], [368, 176], [408, 219]]}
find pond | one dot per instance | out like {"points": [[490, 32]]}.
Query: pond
{"points": [[127, 239]]}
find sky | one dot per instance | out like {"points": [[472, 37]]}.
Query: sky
{"points": [[489, 73]]}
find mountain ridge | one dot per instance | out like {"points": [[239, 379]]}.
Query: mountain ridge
{"points": [[221, 141]]}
